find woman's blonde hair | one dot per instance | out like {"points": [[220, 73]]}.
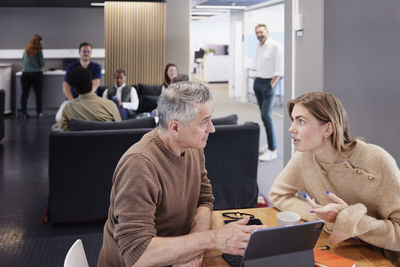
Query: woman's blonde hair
{"points": [[327, 108], [34, 46]]}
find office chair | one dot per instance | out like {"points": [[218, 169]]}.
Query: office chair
{"points": [[76, 256]]}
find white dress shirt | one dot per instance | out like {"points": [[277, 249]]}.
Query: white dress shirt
{"points": [[269, 59], [133, 105]]}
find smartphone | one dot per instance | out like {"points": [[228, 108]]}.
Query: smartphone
{"points": [[253, 221]]}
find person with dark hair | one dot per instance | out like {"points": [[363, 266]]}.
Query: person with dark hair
{"points": [[269, 69], [161, 199], [180, 78], [32, 74], [124, 96], [352, 185], [85, 52], [170, 72], [88, 106]]}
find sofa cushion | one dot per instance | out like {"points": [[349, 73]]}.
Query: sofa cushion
{"points": [[147, 103], [148, 89], [227, 120], [83, 125], [100, 90]]}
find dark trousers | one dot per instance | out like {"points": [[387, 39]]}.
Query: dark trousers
{"points": [[29, 79], [125, 113], [265, 99]]}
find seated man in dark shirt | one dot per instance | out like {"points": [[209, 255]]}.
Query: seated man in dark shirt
{"points": [[88, 106], [85, 52]]}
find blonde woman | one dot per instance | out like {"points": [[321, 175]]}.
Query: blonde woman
{"points": [[32, 74], [352, 185]]}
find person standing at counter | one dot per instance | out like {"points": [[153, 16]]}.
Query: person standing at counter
{"points": [[85, 52], [32, 74]]}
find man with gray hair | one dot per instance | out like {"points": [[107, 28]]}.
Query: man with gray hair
{"points": [[161, 199]]}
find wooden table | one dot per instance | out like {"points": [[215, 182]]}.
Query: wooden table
{"points": [[364, 254]]}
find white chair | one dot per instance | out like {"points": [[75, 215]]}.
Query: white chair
{"points": [[76, 256]]}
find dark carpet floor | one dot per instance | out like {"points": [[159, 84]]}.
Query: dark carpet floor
{"points": [[23, 200]]}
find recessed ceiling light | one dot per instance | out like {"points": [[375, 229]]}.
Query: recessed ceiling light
{"points": [[96, 4]]}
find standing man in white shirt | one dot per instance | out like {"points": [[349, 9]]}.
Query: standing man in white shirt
{"points": [[125, 96], [269, 69]]}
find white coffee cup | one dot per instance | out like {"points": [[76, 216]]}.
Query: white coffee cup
{"points": [[287, 218]]}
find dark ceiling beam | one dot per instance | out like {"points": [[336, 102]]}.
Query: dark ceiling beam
{"points": [[59, 3]]}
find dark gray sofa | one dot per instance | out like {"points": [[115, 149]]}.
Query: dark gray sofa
{"points": [[81, 166], [82, 163]]}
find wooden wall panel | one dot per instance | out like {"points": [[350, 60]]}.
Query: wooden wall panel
{"points": [[135, 36]]}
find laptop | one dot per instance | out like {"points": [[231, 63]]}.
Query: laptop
{"points": [[291, 245]]}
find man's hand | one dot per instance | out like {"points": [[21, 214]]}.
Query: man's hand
{"points": [[195, 262], [330, 211], [233, 237], [67, 91], [274, 81]]}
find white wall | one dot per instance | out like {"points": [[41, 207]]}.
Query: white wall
{"points": [[178, 32], [213, 30], [236, 57]]}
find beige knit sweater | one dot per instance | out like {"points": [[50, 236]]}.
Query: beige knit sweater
{"points": [[368, 181]]}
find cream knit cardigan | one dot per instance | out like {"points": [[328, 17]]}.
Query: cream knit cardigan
{"points": [[368, 181]]}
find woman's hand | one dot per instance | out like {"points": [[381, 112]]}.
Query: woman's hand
{"points": [[330, 211]]}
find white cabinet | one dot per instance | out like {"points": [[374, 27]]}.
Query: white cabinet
{"points": [[216, 68], [213, 68], [5, 83]]}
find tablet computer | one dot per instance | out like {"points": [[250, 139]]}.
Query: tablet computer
{"points": [[290, 245]]}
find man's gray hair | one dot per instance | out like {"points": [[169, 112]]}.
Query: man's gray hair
{"points": [[180, 102], [262, 25]]}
